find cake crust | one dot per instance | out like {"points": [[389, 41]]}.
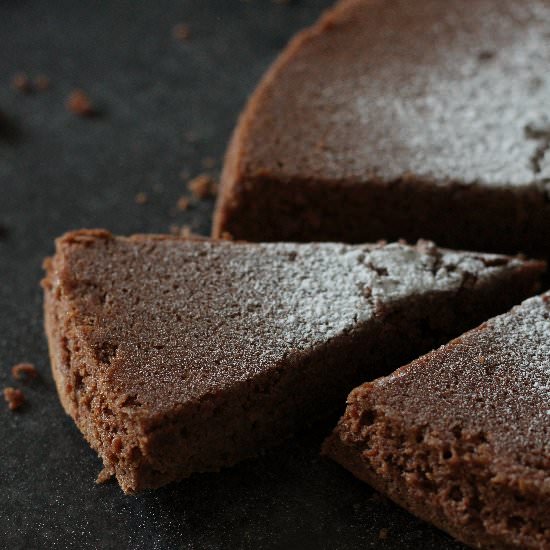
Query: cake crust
{"points": [[175, 356]]}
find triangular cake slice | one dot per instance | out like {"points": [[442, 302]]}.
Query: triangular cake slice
{"points": [[175, 356], [461, 436], [400, 119]]}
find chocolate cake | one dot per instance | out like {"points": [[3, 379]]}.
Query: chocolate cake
{"points": [[176, 356], [461, 436], [401, 119]]}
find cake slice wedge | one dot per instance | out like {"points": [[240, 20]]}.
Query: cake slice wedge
{"points": [[176, 356], [461, 436]]}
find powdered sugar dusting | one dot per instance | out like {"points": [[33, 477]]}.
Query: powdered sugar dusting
{"points": [[330, 288], [522, 339], [429, 89]]}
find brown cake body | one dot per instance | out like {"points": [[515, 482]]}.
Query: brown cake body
{"points": [[401, 119], [461, 436], [175, 356]]}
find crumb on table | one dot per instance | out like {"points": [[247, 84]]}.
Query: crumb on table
{"points": [[21, 83], [383, 534], [79, 104], [183, 203], [24, 372], [203, 186], [181, 32], [141, 198], [208, 162], [41, 82], [14, 398]]}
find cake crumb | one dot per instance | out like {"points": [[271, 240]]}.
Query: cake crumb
{"points": [[181, 32], [42, 82], [24, 372], [383, 534], [14, 398], [141, 198], [208, 162], [203, 186], [183, 203], [226, 236], [21, 83], [79, 104], [186, 232], [104, 476]]}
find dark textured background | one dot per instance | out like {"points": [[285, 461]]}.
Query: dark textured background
{"points": [[59, 172]]}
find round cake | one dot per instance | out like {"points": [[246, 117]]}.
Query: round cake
{"points": [[401, 119]]}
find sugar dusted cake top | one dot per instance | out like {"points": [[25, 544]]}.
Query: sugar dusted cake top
{"points": [[453, 91], [171, 319]]}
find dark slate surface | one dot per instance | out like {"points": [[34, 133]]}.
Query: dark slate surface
{"points": [[59, 172]]}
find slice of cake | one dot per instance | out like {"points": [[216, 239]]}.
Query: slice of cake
{"points": [[401, 119], [461, 436], [176, 356]]}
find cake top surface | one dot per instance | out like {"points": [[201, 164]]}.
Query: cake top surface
{"points": [[455, 91], [494, 380], [170, 320]]}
